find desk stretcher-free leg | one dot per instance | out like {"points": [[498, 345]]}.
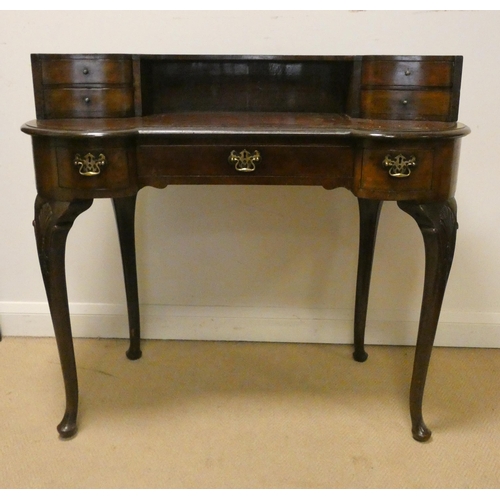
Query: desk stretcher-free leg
{"points": [[369, 212], [438, 224], [125, 214], [53, 220]]}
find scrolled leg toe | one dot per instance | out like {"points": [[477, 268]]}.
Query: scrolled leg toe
{"points": [[421, 433], [67, 428]]}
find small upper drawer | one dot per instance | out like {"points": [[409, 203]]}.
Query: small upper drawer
{"points": [[81, 71], [71, 102], [405, 104], [407, 73]]}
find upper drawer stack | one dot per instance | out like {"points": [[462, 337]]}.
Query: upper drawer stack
{"points": [[84, 87], [409, 88]]}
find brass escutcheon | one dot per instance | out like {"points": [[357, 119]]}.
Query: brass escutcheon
{"points": [[399, 166], [88, 165], [244, 161]]}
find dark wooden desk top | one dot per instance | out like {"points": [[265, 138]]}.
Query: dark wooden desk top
{"points": [[248, 123]]}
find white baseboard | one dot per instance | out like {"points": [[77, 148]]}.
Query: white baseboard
{"points": [[333, 326]]}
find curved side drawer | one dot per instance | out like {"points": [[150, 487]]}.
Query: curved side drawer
{"points": [[376, 173], [58, 163], [407, 170], [89, 167]]}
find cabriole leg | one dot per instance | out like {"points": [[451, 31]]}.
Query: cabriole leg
{"points": [[438, 224], [53, 220]]}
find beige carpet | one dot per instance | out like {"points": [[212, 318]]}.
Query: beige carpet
{"points": [[247, 415]]}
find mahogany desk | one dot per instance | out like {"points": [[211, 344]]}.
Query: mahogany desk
{"points": [[384, 127]]}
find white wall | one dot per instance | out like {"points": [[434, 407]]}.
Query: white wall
{"points": [[255, 263]]}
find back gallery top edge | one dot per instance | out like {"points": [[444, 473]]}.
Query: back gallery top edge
{"points": [[249, 57]]}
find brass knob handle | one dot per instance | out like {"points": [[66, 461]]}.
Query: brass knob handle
{"points": [[404, 102], [86, 100], [408, 72], [85, 71], [399, 166], [88, 165], [244, 161]]}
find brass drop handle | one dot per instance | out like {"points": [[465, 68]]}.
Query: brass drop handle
{"points": [[88, 165], [244, 161], [399, 166]]}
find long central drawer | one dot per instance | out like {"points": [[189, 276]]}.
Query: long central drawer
{"points": [[245, 162]]}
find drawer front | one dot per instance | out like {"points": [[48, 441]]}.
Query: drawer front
{"points": [[89, 103], [91, 168], [405, 104], [245, 163], [407, 73], [397, 172], [86, 71]]}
